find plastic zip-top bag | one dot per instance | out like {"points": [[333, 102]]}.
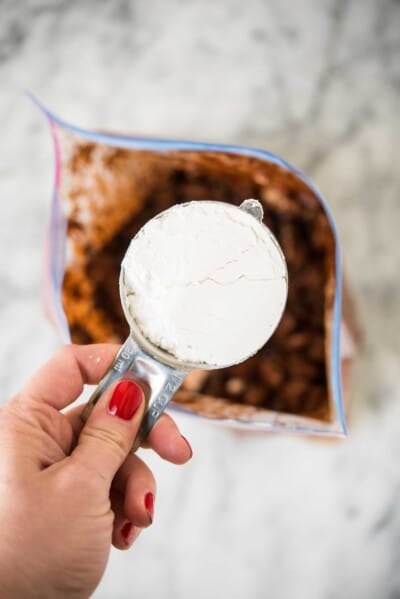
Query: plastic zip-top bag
{"points": [[108, 185]]}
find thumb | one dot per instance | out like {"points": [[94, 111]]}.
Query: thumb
{"points": [[109, 433]]}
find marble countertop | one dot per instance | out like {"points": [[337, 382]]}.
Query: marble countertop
{"points": [[317, 82]]}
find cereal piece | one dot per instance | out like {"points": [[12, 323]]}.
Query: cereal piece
{"points": [[255, 396], [271, 372], [235, 386], [195, 380]]}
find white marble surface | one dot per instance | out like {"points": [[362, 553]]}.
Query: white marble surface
{"points": [[317, 82]]}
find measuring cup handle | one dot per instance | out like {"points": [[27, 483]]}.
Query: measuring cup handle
{"points": [[120, 366], [158, 381]]}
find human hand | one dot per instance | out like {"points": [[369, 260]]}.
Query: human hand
{"points": [[68, 490]]}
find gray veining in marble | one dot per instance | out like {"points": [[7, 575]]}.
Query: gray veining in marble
{"points": [[318, 82]]}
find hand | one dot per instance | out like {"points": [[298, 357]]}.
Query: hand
{"points": [[68, 490]]}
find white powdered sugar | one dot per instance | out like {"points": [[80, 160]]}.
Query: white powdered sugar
{"points": [[205, 282]]}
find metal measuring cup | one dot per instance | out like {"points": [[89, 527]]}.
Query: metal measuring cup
{"points": [[158, 372]]}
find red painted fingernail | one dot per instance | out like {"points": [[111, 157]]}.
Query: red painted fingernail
{"points": [[125, 400], [149, 504], [126, 531], [189, 446]]}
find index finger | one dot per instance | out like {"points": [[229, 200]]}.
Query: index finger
{"points": [[60, 381]]}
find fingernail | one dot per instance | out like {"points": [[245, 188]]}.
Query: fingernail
{"points": [[126, 531], [149, 505], [189, 446], [125, 400]]}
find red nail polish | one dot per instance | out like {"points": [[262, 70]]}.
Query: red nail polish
{"points": [[126, 398], [126, 531], [149, 504], [188, 444]]}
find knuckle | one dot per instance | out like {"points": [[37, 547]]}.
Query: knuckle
{"points": [[84, 476], [17, 410], [28, 408], [65, 353], [112, 438]]}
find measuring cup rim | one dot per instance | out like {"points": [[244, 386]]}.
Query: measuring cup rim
{"points": [[162, 355]]}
